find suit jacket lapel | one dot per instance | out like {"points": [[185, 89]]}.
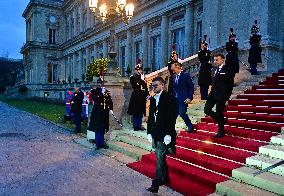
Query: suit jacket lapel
{"points": [[160, 100]]}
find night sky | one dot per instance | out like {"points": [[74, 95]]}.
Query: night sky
{"points": [[12, 27]]}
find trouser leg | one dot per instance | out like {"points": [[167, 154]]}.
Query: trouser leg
{"points": [[204, 92], [208, 107], [220, 105], [182, 113], [77, 118], [162, 174]]}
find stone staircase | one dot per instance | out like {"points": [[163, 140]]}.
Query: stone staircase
{"points": [[135, 143], [267, 183]]}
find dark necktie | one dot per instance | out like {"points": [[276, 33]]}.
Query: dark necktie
{"points": [[217, 72]]}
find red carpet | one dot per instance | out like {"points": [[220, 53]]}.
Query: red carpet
{"points": [[202, 161]]}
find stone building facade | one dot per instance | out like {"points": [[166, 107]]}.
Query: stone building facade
{"points": [[63, 36]]}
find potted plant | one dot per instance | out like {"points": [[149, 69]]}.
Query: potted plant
{"points": [[97, 68]]}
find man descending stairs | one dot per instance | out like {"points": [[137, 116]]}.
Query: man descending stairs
{"points": [[226, 165]]}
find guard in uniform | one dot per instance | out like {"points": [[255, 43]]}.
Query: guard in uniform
{"points": [[255, 49], [204, 78], [232, 57], [99, 120], [173, 59], [137, 103]]}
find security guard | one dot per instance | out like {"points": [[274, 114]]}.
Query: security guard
{"points": [[204, 78], [137, 103], [99, 120], [255, 49], [173, 59], [232, 57]]}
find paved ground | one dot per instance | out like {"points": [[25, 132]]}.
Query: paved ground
{"points": [[39, 158]]}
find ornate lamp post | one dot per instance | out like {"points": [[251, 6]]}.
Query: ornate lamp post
{"points": [[109, 11]]}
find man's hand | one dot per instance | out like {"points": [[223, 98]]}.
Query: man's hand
{"points": [[187, 101], [146, 118], [149, 137], [167, 139]]}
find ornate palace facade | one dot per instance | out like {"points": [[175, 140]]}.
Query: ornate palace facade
{"points": [[63, 36]]}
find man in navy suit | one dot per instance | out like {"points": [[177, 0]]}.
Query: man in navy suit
{"points": [[183, 90]]}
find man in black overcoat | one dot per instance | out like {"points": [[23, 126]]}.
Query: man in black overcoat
{"points": [[137, 103], [221, 91], [204, 78], [161, 130], [99, 120], [255, 49], [232, 57]]}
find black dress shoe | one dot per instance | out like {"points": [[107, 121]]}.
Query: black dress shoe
{"points": [[153, 189], [106, 146], [226, 120], [219, 135], [190, 129]]}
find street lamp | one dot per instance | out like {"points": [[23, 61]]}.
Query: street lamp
{"points": [[108, 11]]}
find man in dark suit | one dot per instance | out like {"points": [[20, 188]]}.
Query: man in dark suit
{"points": [[221, 91], [76, 104], [183, 90], [161, 130]]}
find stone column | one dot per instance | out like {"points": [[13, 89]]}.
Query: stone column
{"points": [[128, 52], [88, 20], [80, 65], [33, 27], [189, 30], [75, 66], [105, 49], [65, 70], [68, 68], [95, 51], [75, 23], [81, 28], [145, 45], [164, 40], [69, 27], [87, 58]]}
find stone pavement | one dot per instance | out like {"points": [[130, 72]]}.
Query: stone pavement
{"points": [[40, 158]]}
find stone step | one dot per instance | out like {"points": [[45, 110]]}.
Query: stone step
{"points": [[135, 141], [214, 194], [267, 181], [199, 113], [127, 149], [234, 188], [138, 134], [279, 139], [110, 153], [272, 151], [262, 162]]}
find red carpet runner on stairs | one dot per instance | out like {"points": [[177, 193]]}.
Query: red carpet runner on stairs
{"points": [[202, 161]]}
